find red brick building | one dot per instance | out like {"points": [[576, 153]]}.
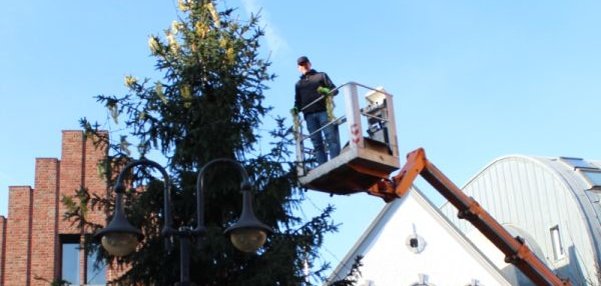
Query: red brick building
{"points": [[36, 245]]}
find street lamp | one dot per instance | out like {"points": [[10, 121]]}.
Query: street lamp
{"points": [[120, 238], [249, 233]]}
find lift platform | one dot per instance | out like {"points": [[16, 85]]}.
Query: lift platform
{"points": [[371, 150]]}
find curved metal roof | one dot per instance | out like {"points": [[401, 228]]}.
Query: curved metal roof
{"points": [[551, 200]]}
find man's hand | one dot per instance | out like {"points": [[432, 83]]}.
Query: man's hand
{"points": [[294, 110], [323, 90]]}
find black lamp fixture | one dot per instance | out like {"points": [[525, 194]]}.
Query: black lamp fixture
{"points": [[120, 238], [249, 233]]}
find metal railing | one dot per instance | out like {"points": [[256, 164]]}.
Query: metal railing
{"points": [[351, 112]]}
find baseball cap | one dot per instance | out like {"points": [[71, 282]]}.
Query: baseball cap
{"points": [[302, 60]]}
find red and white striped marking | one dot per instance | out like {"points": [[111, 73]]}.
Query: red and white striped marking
{"points": [[355, 133]]}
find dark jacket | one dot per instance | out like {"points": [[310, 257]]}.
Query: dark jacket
{"points": [[306, 91]]}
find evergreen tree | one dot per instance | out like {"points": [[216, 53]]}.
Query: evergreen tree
{"points": [[208, 105]]}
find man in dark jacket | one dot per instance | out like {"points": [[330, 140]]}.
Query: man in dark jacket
{"points": [[312, 86]]}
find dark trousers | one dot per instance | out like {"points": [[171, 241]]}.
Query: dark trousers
{"points": [[315, 121]]}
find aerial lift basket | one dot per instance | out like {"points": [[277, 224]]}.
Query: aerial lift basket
{"points": [[370, 153]]}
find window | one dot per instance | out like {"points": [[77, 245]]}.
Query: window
{"points": [[71, 263], [96, 273], [556, 241], [593, 178], [576, 162], [588, 171], [70, 259]]}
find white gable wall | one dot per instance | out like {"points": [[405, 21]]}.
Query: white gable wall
{"points": [[446, 259]]}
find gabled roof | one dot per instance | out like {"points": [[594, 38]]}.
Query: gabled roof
{"points": [[430, 214]]}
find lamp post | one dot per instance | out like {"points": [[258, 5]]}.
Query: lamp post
{"points": [[120, 238]]}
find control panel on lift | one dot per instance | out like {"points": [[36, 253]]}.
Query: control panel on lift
{"points": [[368, 139]]}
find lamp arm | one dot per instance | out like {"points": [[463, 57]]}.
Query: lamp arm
{"points": [[200, 225], [120, 189]]}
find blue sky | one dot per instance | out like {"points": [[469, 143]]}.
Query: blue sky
{"points": [[472, 80]]}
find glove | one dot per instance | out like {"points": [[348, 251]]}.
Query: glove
{"points": [[323, 90]]}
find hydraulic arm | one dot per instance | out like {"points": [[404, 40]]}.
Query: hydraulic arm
{"points": [[514, 248]]}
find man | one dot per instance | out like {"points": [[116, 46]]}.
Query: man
{"points": [[310, 87]]}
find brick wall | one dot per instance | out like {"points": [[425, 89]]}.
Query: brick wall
{"points": [[44, 240], [18, 238], [29, 237], [2, 247], [93, 178], [71, 173]]}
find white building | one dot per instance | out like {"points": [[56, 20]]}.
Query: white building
{"points": [[412, 243], [550, 202]]}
